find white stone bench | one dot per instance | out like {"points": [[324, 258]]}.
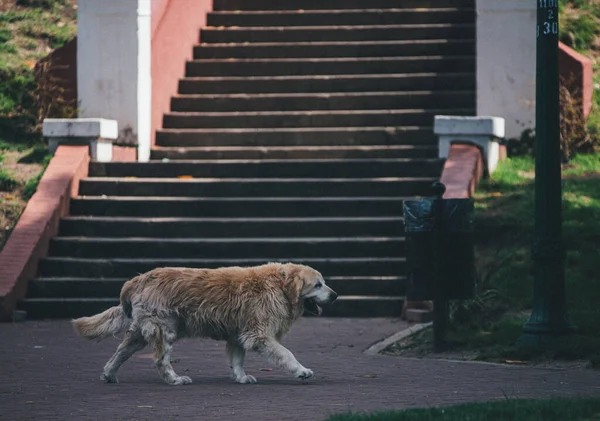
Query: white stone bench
{"points": [[98, 133], [484, 132]]}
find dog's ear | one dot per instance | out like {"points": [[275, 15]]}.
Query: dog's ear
{"points": [[293, 281]]}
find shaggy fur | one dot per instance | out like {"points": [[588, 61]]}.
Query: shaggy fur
{"points": [[251, 308]]}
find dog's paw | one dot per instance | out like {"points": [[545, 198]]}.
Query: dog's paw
{"points": [[109, 378], [179, 380], [247, 379], [304, 373]]}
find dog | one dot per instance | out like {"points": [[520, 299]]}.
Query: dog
{"points": [[251, 308]]}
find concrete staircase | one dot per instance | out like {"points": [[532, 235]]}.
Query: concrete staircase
{"points": [[299, 129]]}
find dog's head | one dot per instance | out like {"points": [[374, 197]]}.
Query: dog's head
{"points": [[309, 287]]}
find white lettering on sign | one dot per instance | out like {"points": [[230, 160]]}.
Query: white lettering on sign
{"points": [[550, 28]]}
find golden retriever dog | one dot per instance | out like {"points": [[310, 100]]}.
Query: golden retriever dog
{"points": [[251, 308]]}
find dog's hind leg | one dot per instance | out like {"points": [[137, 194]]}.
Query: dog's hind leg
{"points": [[162, 337], [236, 354], [133, 341], [280, 355]]}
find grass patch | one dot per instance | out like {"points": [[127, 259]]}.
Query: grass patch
{"points": [[7, 182], [29, 31], [487, 327], [31, 186], [508, 410], [24, 167]]}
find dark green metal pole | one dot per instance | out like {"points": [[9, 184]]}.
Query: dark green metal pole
{"points": [[549, 316], [441, 311]]}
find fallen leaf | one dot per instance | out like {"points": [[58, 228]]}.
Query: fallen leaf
{"points": [[9, 197]]}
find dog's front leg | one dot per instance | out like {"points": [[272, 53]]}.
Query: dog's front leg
{"points": [[280, 355], [236, 354]]}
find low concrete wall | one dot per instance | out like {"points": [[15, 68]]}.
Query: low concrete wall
{"points": [[462, 171], [29, 241], [576, 70], [62, 70]]}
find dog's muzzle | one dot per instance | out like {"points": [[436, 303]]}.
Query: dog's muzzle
{"points": [[312, 306]]}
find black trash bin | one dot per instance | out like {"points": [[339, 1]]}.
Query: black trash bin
{"points": [[439, 243]]}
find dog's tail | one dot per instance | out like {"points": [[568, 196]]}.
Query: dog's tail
{"points": [[111, 321], [108, 323]]}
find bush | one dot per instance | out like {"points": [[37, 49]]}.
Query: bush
{"points": [[7, 182], [575, 137], [32, 185]]}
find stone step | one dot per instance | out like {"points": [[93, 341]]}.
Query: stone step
{"points": [[323, 101], [63, 287], [293, 152], [298, 136], [242, 47], [256, 187], [330, 66], [65, 308], [321, 168], [290, 35], [289, 119], [335, 4], [420, 20], [237, 207], [107, 268], [238, 248], [69, 308], [180, 227], [329, 83], [365, 306]]}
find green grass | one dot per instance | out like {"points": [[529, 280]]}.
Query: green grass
{"points": [[31, 186], [504, 224], [585, 30], [7, 181], [27, 33], [507, 410]]}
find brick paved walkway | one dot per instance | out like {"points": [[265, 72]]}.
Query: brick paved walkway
{"points": [[47, 373]]}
